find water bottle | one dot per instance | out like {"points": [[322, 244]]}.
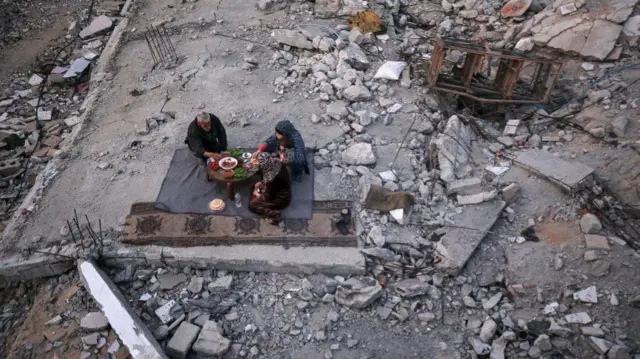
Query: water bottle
{"points": [[238, 199]]}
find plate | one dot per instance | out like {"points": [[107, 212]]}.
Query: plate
{"points": [[247, 155], [232, 163], [216, 205]]}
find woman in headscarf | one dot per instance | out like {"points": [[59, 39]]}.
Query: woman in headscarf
{"points": [[289, 143], [273, 193]]}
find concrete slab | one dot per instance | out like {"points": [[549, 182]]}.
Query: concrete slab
{"points": [[458, 244], [568, 175], [132, 332], [17, 268], [246, 258]]}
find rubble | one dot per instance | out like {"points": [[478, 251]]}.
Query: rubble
{"points": [[180, 344], [210, 341], [98, 25], [358, 293], [590, 224]]}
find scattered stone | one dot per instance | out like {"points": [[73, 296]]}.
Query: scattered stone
{"points": [[354, 56], [97, 26], [382, 253], [376, 237], [579, 318], [180, 343], [619, 125], [543, 342], [409, 288], [479, 346], [222, 283], [510, 192], [352, 343], [359, 154], [588, 295], [594, 241], [171, 280], [492, 302], [358, 293], [488, 330], [618, 352], [337, 110], [591, 255], [292, 38], [357, 93], [599, 345], [592, 331], [210, 341], [94, 321], [590, 224], [525, 44], [91, 339], [195, 286]]}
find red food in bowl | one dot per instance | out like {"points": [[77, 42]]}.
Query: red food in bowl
{"points": [[227, 174]]}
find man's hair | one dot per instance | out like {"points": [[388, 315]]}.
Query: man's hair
{"points": [[203, 117]]}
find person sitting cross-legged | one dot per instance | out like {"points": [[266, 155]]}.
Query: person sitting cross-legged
{"points": [[206, 136]]}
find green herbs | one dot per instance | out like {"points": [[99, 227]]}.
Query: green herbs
{"points": [[235, 152], [239, 173]]}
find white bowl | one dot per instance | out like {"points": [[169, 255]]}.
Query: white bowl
{"points": [[228, 159]]}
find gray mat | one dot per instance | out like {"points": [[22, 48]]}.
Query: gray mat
{"points": [[184, 190]]}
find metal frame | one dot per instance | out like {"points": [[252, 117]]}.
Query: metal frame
{"points": [[507, 87], [160, 46]]}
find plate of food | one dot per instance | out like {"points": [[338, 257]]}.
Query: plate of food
{"points": [[228, 163]]}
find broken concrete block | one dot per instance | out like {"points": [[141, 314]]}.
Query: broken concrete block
{"points": [[578, 318], [35, 80], [164, 312], [588, 295], [337, 110], [458, 244], [292, 38], [600, 345], [592, 331], [543, 342], [180, 344], [358, 293], [376, 237], [488, 330], [94, 321], [401, 215], [510, 192], [590, 224], [568, 175], [409, 288], [477, 197], [359, 154], [354, 56], [210, 341], [594, 241], [525, 44], [619, 125], [98, 25], [463, 185], [10, 167], [222, 283]]}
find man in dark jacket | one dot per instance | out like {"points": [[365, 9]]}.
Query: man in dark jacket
{"points": [[206, 136]]}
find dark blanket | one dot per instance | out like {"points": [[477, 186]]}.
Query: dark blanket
{"points": [[184, 190]]}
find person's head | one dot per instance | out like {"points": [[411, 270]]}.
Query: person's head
{"points": [[285, 130], [204, 120]]}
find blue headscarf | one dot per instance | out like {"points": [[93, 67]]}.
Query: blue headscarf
{"points": [[299, 162]]}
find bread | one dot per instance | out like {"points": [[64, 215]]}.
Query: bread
{"points": [[216, 205]]}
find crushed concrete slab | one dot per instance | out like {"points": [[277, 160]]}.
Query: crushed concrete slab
{"points": [[132, 332], [588, 295], [579, 318], [253, 258], [180, 344], [292, 38], [458, 244], [98, 25], [568, 175], [463, 185], [210, 341], [594, 241]]}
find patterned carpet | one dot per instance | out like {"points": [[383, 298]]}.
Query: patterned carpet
{"points": [[148, 225]]}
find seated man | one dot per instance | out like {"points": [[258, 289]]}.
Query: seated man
{"points": [[206, 136]]}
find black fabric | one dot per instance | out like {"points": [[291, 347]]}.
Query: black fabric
{"points": [[201, 141], [185, 190]]}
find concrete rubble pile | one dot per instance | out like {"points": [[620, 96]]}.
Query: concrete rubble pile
{"points": [[25, 148]]}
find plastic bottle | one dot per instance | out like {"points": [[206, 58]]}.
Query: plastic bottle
{"points": [[238, 199]]}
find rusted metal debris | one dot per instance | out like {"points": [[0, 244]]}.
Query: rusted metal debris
{"points": [[491, 76], [160, 46]]}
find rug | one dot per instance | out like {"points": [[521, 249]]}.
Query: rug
{"points": [[185, 190], [148, 225]]}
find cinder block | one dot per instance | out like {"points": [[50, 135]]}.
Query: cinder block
{"points": [[10, 167]]}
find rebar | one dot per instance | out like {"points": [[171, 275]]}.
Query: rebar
{"points": [[160, 46]]}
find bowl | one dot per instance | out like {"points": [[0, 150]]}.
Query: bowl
{"points": [[247, 155], [228, 163]]}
